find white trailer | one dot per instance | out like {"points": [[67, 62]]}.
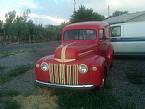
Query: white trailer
{"points": [[128, 38]]}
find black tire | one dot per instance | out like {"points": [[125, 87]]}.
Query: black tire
{"points": [[105, 77], [111, 65]]}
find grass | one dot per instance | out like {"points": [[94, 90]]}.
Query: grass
{"points": [[14, 72], [10, 93], [136, 77], [8, 53], [2, 67], [129, 106], [33, 50], [6, 100], [103, 99], [128, 93], [43, 101], [9, 104], [85, 100]]}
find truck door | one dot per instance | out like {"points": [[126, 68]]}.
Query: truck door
{"points": [[102, 43]]}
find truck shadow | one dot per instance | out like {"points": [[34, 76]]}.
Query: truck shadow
{"points": [[86, 99], [130, 57]]}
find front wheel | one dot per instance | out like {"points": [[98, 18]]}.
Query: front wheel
{"points": [[104, 78], [109, 58], [102, 86]]}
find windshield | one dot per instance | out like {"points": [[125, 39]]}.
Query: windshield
{"points": [[80, 35]]}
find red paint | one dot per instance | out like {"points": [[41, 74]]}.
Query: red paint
{"points": [[94, 53]]}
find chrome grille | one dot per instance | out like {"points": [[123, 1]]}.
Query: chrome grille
{"points": [[63, 74]]}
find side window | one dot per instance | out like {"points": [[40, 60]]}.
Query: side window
{"points": [[116, 31], [101, 34]]}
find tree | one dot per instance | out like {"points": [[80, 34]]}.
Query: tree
{"points": [[1, 26], [1, 30], [85, 14], [118, 13], [10, 16], [8, 26], [20, 28]]}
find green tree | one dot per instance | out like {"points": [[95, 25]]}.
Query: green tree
{"points": [[53, 32], [10, 16], [1, 26], [8, 26], [20, 28], [1, 30], [62, 25], [118, 13], [85, 14]]}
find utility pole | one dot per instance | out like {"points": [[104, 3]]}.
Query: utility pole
{"points": [[74, 5], [108, 10]]}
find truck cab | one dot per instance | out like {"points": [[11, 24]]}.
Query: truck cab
{"points": [[81, 60]]}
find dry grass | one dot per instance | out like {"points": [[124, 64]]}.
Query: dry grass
{"points": [[42, 101], [6, 99]]}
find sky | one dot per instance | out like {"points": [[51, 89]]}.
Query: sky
{"points": [[57, 11]]}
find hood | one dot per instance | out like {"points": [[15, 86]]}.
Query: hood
{"points": [[67, 52]]}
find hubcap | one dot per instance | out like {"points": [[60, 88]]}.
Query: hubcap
{"points": [[102, 82]]}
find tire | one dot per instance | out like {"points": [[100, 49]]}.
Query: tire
{"points": [[111, 65], [104, 78]]}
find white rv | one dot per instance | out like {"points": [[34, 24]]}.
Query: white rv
{"points": [[128, 38]]}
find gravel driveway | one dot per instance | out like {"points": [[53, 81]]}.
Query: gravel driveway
{"points": [[24, 83], [127, 92]]}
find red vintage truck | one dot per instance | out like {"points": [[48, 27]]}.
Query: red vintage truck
{"points": [[81, 61]]}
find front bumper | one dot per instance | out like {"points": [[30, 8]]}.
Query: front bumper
{"points": [[64, 86]]}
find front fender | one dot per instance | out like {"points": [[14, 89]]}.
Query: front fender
{"points": [[97, 76], [40, 74]]}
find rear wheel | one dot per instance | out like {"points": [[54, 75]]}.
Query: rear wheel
{"points": [[111, 58]]}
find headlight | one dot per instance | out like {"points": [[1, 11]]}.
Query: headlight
{"points": [[83, 68], [44, 66]]}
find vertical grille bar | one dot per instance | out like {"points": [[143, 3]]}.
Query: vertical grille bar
{"points": [[56, 73], [60, 73], [70, 75], [77, 76], [74, 74], [63, 74], [51, 73]]}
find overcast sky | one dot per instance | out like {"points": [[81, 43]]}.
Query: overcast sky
{"points": [[58, 11]]}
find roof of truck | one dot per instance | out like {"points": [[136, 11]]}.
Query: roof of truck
{"points": [[89, 23]]}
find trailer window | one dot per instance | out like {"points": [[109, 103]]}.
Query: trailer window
{"points": [[80, 35], [116, 31]]}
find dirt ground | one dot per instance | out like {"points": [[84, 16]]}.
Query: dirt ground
{"points": [[127, 78]]}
